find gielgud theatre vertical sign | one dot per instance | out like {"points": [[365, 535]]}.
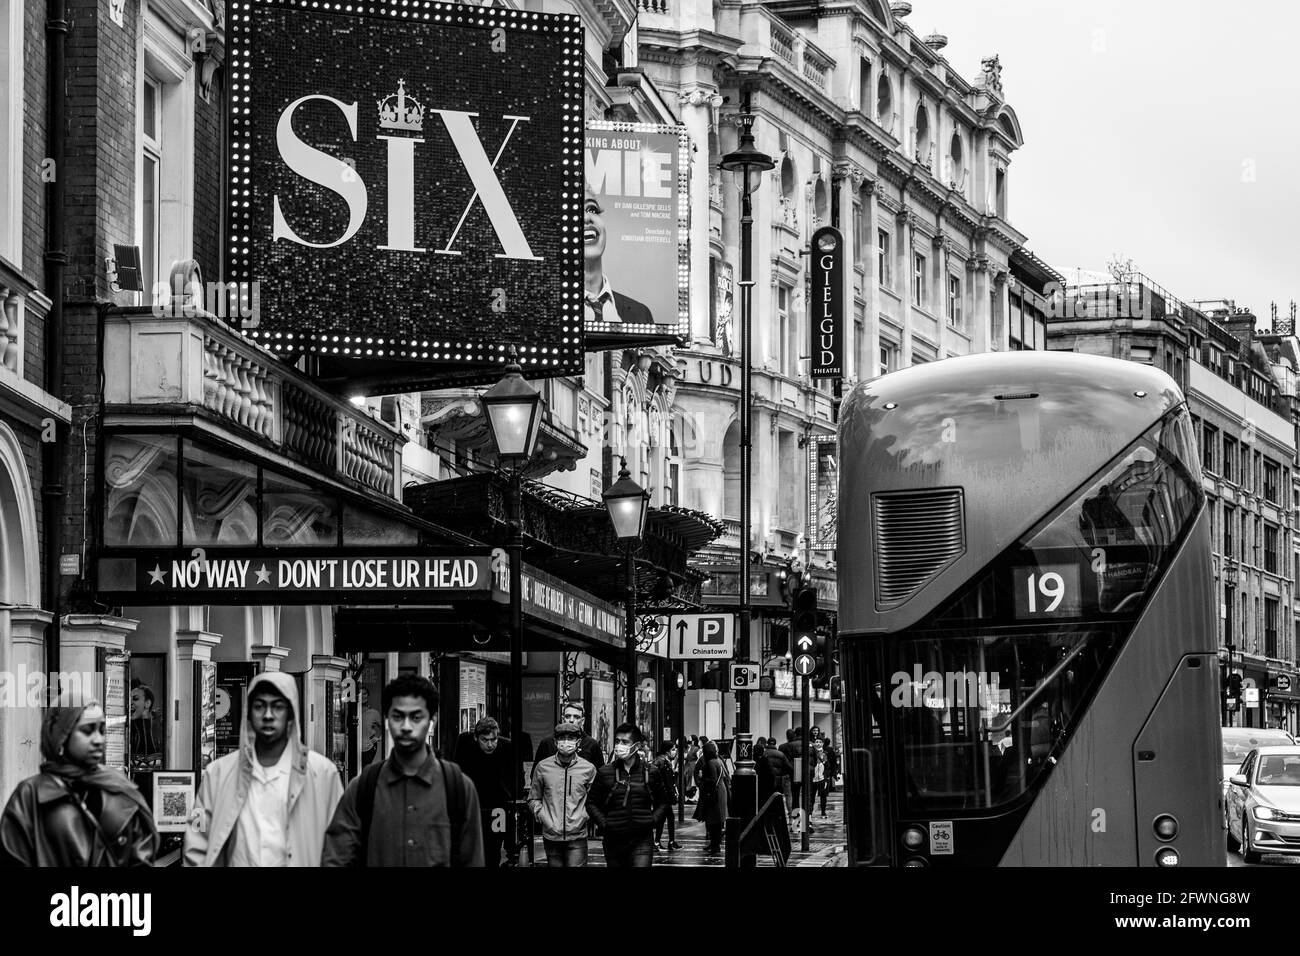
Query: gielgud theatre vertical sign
{"points": [[406, 186]]}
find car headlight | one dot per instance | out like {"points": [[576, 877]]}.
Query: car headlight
{"points": [[1264, 813]]}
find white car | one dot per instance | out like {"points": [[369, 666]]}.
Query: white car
{"points": [[1263, 803], [1238, 742]]}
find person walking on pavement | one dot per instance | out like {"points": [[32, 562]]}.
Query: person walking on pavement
{"points": [[269, 802], [774, 775], [715, 794], [626, 801], [830, 762], [589, 748], [688, 772], [487, 759], [557, 798], [666, 764], [820, 780], [794, 749], [76, 812], [412, 809]]}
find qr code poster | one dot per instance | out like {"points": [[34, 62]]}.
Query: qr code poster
{"points": [[173, 801]]}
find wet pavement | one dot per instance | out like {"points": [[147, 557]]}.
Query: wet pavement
{"points": [[826, 842]]}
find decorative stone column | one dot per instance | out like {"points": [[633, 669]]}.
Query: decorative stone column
{"points": [[85, 634], [22, 654], [906, 238], [325, 668], [982, 328], [193, 648], [871, 281], [268, 657], [698, 107], [942, 245]]}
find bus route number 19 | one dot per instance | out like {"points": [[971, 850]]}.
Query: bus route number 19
{"points": [[1042, 591]]}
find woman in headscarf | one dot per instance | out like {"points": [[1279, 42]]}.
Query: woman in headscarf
{"points": [[715, 789], [76, 812]]}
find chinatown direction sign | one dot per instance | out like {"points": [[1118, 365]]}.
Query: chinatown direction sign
{"points": [[296, 575]]}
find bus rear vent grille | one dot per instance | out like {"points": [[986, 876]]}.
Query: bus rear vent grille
{"points": [[918, 534]]}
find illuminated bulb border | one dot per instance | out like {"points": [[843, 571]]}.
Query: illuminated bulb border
{"points": [[239, 156]]}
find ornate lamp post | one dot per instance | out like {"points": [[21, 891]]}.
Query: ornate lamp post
{"points": [[744, 160], [514, 416], [628, 503]]}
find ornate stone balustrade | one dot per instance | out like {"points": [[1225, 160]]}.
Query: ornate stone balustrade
{"points": [[10, 328], [783, 45], [198, 362]]}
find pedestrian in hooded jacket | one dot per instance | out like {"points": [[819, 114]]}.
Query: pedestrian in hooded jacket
{"points": [[269, 803], [558, 798], [76, 812]]}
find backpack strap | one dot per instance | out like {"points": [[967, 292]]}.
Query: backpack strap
{"points": [[453, 782], [366, 805]]}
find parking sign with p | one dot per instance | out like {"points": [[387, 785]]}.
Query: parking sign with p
{"points": [[702, 636]]}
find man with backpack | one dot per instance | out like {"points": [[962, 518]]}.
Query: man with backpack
{"points": [[413, 809], [627, 799]]}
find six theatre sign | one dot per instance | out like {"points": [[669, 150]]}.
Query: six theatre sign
{"points": [[827, 303], [406, 183]]}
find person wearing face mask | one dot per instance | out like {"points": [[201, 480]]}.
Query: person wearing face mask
{"points": [[558, 798], [76, 812], [627, 800]]}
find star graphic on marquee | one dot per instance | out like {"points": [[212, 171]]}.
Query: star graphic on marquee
{"points": [[263, 575], [157, 574]]}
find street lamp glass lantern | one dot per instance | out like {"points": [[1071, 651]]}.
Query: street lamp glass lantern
{"points": [[627, 503], [514, 415]]}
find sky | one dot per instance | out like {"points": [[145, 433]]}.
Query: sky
{"points": [[1163, 131]]}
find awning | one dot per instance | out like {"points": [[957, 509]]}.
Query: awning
{"points": [[458, 416], [570, 536]]}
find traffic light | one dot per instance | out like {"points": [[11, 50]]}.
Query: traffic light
{"points": [[822, 651], [803, 624], [1232, 692]]}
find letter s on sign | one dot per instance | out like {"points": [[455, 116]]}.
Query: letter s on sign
{"points": [[320, 168]]}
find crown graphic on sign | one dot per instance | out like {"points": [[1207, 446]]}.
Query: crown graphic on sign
{"points": [[399, 111]]}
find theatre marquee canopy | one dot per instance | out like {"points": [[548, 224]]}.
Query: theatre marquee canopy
{"points": [[409, 576], [405, 197]]}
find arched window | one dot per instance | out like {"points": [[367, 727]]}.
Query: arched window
{"points": [[787, 179], [885, 104], [864, 84], [821, 205], [731, 473], [922, 135], [956, 159]]}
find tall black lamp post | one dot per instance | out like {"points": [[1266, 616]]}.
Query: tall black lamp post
{"points": [[744, 160], [514, 415], [627, 503]]}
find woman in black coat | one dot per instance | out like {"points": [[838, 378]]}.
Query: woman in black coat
{"points": [[715, 789]]}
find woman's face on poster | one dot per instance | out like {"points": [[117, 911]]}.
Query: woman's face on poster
{"points": [[141, 706]]}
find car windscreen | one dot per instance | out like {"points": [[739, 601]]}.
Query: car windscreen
{"points": [[1278, 770], [1237, 744]]}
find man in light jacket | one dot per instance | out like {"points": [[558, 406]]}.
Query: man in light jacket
{"points": [[269, 803], [558, 798]]}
